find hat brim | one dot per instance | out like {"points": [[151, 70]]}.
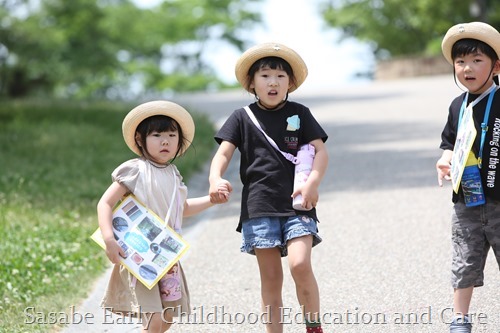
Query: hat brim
{"points": [[250, 56], [473, 30], [154, 108]]}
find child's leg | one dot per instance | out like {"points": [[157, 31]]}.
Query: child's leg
{"points": [[271, 279], [299, 260], [155, 323], [461, 301], [470, 250]]}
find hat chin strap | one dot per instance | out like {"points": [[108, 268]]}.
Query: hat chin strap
{"points": [[495, 79]]}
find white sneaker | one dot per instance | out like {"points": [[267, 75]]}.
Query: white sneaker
{"points": [[460, 325]]}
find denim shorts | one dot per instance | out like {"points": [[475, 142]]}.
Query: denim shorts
{"points": [[271, 232], [474, 231]]}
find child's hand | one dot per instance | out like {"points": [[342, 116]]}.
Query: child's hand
{"points": [[310, 196], [224, 191], [443, 168], [114, 251], [220, 191]]}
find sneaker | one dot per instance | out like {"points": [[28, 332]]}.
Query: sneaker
{"points": [[460, 325]]}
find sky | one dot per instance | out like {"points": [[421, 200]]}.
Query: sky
{"points": [[330, 62], [297, 24]]}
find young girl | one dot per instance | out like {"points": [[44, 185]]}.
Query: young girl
{"points": [[270, 227], [473, 49], [158, 132]]}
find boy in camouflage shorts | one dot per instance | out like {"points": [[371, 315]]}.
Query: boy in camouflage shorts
{"points": [[474, 51]]}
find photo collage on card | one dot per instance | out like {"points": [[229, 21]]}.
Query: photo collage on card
{"points": [[146, 243]]}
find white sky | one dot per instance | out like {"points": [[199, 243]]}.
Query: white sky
{"points": [[298, 25]]}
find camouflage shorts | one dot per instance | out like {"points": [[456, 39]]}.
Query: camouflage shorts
{"points": [[474, 231]]}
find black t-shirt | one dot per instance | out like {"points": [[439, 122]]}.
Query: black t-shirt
{"points": [[266, 175], [490, 167]]}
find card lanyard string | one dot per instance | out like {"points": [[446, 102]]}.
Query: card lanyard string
{"points": [[292, 158], [484, 125], [177, 224]]}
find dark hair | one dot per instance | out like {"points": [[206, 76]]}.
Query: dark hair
{"points": [[468, 45], [158, 124], [273, 63]]}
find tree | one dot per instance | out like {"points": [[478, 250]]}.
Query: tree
{"points": [[106, 48], [401, 27]]}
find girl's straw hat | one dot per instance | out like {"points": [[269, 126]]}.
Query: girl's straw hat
{"points": [[250, 56], [474, 30], [155, 108]]}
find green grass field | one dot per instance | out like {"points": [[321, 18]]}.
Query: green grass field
{"points": [[56, 159]]}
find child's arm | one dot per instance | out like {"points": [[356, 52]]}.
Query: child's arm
{"points": [[220, 188], [309, 191], [443, 166], [105, 216], [193, 206]]}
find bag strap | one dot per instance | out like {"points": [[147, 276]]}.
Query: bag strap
{"points": [[288, 156], [177, 223]]}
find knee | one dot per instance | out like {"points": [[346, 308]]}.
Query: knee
{"points": [[271, 275], [272, 282], [301, 270], [166, 323]]}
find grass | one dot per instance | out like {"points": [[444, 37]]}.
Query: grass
{"points": [[56, 159]]}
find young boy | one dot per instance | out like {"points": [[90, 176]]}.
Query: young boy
{"points": [[474, 50]]}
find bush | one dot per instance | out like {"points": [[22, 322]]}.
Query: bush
{"points": [[56, 161]]}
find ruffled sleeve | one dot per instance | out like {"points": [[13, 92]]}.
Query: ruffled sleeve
{"points": [[127, 174]]}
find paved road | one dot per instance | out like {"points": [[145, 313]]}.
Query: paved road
{"points": [[384, 263]]}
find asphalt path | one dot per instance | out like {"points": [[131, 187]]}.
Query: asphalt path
{"points": [[384, 263]]}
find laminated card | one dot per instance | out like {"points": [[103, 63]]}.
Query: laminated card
{"points": [[151, 247]]}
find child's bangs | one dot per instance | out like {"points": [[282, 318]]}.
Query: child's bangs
{"points": [[274, 63], [470, 46], [161, 124]]}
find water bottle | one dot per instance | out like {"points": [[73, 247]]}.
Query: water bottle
{"points": [[305, 157]]}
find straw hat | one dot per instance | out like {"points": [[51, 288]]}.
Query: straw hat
{"points": [[474, 30], [250, 56], [154, 108]]}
